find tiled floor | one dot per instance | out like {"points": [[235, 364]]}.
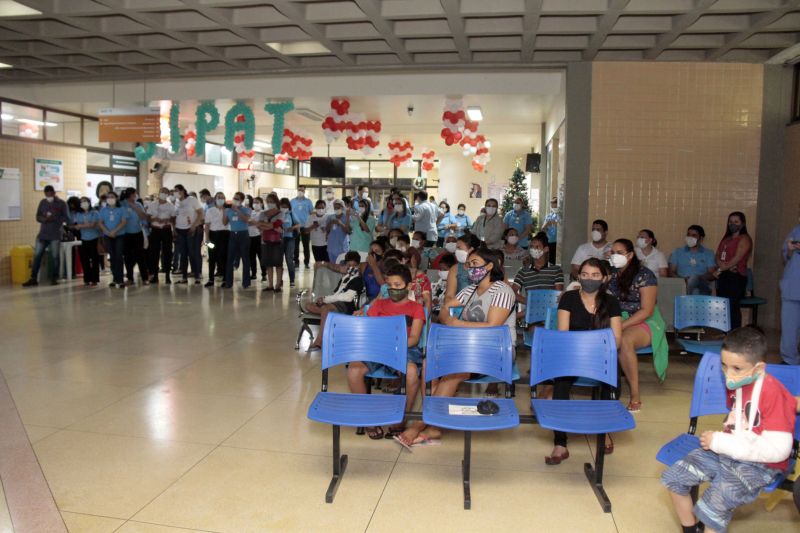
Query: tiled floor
{"points": [[173, 409]]}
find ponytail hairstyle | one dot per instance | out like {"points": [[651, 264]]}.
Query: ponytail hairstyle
{"points": [[625, 278], [490, 256], [601, 318], [652, 236]]}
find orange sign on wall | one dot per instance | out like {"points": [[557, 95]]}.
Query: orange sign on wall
{"points": [[130, 124]]}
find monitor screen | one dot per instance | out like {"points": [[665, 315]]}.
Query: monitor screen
{"points": [[327, 167]]}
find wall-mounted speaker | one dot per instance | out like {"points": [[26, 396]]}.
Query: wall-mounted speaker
{"points": [[532, 162]]}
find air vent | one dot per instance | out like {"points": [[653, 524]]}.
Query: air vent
{"points": [[310, 114]]}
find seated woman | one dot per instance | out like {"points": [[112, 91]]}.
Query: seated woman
{"points": [[488, 301], [590, 307], [344, 297], [458, 279], [420, 286], [635, 286], [511, 249], [649, 255], [398, 277]]}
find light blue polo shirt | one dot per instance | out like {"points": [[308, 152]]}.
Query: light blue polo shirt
{"points": [[463, 222], [447, 220], [88, 217], [688, 263], [518, 220], [235, 222], [111, 216], [301, 209]]}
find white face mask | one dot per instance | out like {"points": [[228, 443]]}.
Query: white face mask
{"points": [[162, 196], [171, 198], [111, 202], [236, 203], [553, 209], [320, 212], [284, 210], [85, 206], [618, 260], [270, 206], [246, 202], [461, 212], [536, 253], [691, 242], [362, 210], [491, 211], [596, 236], [258, 206], [512, 239], [393, 242], [220, 202], [461, 256], [365, 195], [450, 247], [329, 195], [50, 199], [443, 274], [338, 212], [641, 243], [415, 243], [399, 209], [301, 194], [517, 207]]}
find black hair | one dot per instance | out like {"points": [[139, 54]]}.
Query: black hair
{"points": [[404, 238], [383, 240], [284, 202], [470, 240], [651, 235], [361, 187], [741, 216], [347, 201], [423, 234], [399, 270], [699, 229], [460, 206], [352, 256], [446, 205], [491, 200], [394, 254], [74, 203], [320, 204], [205, 192], [540, 237], [507, 230], [422, 195], [379, 242], [388, 262], [601, 318], [368, 205], [748, 342], [490, 256], [625, 278], [49, 188], [602, 223], [447, 260]]}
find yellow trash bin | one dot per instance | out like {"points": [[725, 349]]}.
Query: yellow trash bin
{"points": [[21, 264]]}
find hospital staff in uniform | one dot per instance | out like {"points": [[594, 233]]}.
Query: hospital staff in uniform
{"points": [[790, 299]]}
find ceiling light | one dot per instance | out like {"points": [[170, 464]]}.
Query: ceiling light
{"points": [[474, 113], [353, 167], [299, 48], [6, 117], [6, 65], [36, 122], [9, 8]]}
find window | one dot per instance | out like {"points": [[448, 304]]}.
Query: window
{"points": [[62, 128], [97, 159], [22, 121], [91, 132]]}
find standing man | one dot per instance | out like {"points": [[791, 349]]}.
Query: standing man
{"points": [[362, 193], [694, 262], [51, 214], [330, 198], [425, 215], [598, 247], [520, 219], [188, 222], [237, 216], [550, 227], [301, 209], [161, 213], [790, 299]]}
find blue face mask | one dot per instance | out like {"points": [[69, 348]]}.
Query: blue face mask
{"points": [[738, 384]]}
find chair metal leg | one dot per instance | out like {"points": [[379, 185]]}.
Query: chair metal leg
{"points": [[595, 474], [303, 329], [465, 464], [755, 315], [339, 466]]}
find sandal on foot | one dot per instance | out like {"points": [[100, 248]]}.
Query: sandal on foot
{"points": [[634, 407], [608, 449], [424, 440], [553, 460], [375, 433], [393, 432], [397, 439]]}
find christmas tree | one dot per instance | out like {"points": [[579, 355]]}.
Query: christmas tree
{"points": [[516, 189]]}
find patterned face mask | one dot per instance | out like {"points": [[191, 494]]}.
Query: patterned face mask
{"points": [[476, 274]]}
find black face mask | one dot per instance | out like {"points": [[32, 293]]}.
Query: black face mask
{"points": [[398, 295], [591, 285]]}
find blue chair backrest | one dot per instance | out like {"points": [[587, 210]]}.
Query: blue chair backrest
{"points": [[586, 354], [709, 394], [539, 301], [551, 322], [452, 350], [359, 338], [702, 311]]}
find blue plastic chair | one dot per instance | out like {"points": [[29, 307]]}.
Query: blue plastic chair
{"points": [[693, 311], [454, 350], [789, 376], [349, 339], [538, 305], [588, 354], [751, 301]]}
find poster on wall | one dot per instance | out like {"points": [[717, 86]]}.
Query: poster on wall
{"points": [[475, 190], [10, 194], [48, 172]]}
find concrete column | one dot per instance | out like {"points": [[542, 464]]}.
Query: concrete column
{"points": [[578, 147]]}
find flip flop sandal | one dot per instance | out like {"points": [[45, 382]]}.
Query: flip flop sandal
{"points": [[420, 442], [392, 433], [403, 444], [375, 433], [634, 407]]}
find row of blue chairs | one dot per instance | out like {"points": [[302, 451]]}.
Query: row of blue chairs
{"points": [[486, 351]]}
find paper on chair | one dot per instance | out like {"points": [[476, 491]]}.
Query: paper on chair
{"points": [[463, 410]]}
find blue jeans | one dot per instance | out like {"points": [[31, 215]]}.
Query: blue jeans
{"points": [[188, 246], [41, 246], [697, 285], [288, 253], [238, 250], [115, 247]]}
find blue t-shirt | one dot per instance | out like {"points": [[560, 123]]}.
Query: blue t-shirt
{"points": [[400, 221], [301, 209], [463, 222], [552, 229], [88, 217], [289, 220], [133, 224], [111, 216], [688, 263], [234, 221], [447, 220], [518, 220]]}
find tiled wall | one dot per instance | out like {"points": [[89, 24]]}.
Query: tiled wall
{"points": [[790, 188], [20, 154], [674, 144]]}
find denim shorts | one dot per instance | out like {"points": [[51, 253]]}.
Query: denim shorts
{"points": [[414, 355]]}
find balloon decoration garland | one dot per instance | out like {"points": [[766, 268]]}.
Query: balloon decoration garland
{"points": [[278, 111], [295, 145], [400, 152], [190, 141], [427, 159], [281, 161], [175, 128], [240, 128], [207, 119], [362, 135], [336, 119], [453, 120], [144, 151]]}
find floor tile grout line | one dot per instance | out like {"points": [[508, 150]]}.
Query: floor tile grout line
{"points": [[383, 490], [5, 501]]}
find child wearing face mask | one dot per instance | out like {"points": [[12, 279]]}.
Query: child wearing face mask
{"points": [[511, 249], [752, 449]]}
